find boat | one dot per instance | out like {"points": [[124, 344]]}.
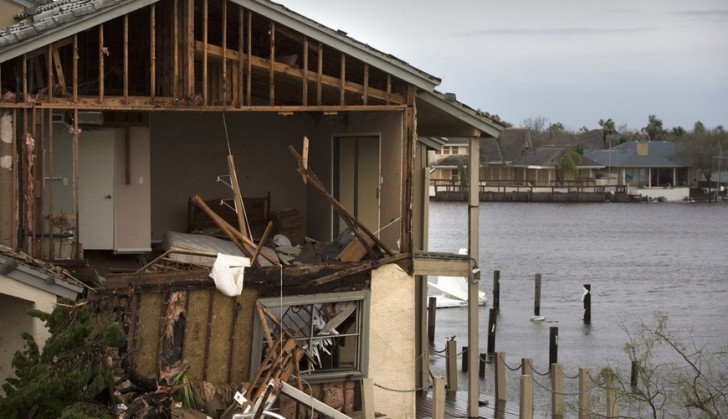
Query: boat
{"points": [[453, 292]]}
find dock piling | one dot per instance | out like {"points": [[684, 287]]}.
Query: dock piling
{"points": [[537, 299]]}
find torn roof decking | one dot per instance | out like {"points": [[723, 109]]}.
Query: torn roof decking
{"points": [[296, 279]]}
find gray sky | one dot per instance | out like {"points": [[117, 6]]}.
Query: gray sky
{"points": [[571, 61]]}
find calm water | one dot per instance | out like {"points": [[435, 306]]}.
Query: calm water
{"points": [[638, 258]]}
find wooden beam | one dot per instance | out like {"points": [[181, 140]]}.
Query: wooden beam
{"points": [[126, 59], [304, 94], [189, 43], [59, 72], [76, 191], [389, 88], [249, 69], [101, 64], [342, 80], [25, 78], [152, 51], [224, 58], [319, 72], [75, 68], [175, 42], [205, 93], [365, 94], [51, 244], [49, 70], [442, 264], [240, 91], [271, 71]]}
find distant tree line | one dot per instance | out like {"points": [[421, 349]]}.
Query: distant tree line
{"points": [[701, 147]]}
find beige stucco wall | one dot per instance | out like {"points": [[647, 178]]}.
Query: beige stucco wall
{"points": [[392, 341], [15, 299]]}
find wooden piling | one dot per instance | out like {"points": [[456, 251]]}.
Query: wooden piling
{"points": [[431, 318], [526, 410], [492, 314], [496, 290], [367, 389], [553, 345], [537, 298], [465, 359], [585, 385], [451, 365], [633, 375], [500, 376], [438, 398], [611, 397], [527, 366], [587, 303], [481, 366], [557, 391]]}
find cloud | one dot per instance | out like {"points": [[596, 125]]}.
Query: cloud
{"points": [[709, 14], [553, 31]]}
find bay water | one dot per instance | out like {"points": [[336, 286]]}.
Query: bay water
{"points": [[638, 259]]}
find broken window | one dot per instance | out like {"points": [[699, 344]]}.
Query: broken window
{"points": [[332, 329]]}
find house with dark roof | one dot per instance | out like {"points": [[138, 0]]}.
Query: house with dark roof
{"points": [[651, 169], [123, 120]]}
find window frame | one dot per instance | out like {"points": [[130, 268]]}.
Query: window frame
{"points": [[362, 298]]}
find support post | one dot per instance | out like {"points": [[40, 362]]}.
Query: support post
{"points": [[431, 318], [481, 366], [526, 402], [496, 290], [367, 389], [465, 359], [527, 366], [633, 375], [451, 365], [587, 303], [553, 345], [611, 397], [474, 276], [438, 398], [557, 391], [500, 376], [537, 299], [492, 326], [585, 385]]}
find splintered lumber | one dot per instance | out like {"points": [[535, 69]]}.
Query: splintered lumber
{"points": [[358, 228], [234, 235], [355, 251], [239, 207]]}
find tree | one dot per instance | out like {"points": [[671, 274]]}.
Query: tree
{"points": [[555, 129], [654, 128], [607, 130], [535, 124], [69, 374], [567, 164], [683, 381]]}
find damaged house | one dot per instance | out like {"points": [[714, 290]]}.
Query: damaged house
{"points": [[180, 130]]}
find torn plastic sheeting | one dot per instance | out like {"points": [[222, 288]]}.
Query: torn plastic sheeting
{"points": [[228, 273]]}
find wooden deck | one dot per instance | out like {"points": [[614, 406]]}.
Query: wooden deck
{"points": [[456, 406]]}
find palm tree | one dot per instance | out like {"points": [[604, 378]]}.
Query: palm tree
{"points": [[607, 129], [567, 164]]}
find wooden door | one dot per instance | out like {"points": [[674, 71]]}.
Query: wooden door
{"points": [[356, 179], [96, 189]]}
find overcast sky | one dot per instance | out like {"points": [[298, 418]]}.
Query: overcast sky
{"points": [[571, 61]]}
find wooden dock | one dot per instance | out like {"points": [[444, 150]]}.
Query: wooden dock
{"points": [[456, 406]]}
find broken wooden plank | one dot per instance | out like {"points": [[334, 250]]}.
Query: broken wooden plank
{"points": [[355, 250], [238, 198], [311, 402], [263, 238]]}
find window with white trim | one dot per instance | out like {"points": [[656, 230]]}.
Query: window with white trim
{"points": [[332, 329]]}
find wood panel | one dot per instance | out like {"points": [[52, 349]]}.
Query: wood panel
{"points": [[220, 323], [242, 345], [196, 330], [148, 333]]}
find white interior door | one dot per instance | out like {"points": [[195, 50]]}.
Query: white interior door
{"points": [[96, 189]]}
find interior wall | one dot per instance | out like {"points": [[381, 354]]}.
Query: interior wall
{"points": [[189, 150], [132, 208]]}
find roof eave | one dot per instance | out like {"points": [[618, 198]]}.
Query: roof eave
{"points": [[477, 125], [77, 25]]}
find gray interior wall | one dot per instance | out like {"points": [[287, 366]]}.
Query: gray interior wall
{"points": [[189, 150]]}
